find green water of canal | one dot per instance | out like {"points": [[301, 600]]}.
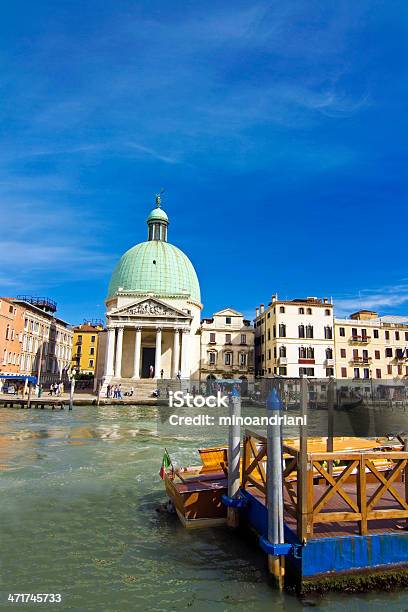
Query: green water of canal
{"points": [[79, 492]]}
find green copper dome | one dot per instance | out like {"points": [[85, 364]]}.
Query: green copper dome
{"points": [[155, 267]]}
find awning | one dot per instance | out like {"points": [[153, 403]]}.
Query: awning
{"points": [[228, 381], [17, 377]]}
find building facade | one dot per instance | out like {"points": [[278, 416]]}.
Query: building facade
{"points": [[85, 346], [46, 340], [227, 346], [11, 336], [295, 337], [371, 347], [153, 310]]}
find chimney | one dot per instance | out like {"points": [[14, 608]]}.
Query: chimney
{"points": [[325, 301], [257, 312], [262, 307], [274, 297]]}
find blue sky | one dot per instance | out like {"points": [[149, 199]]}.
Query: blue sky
{"points": [[277, 128]]}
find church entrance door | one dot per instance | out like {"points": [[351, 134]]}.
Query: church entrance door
{"points": [[148, 357]]}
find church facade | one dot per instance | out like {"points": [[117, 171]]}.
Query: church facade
{"points": [[153, 310]]}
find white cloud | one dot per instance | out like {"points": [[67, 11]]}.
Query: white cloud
{"points": [[384, 298]]}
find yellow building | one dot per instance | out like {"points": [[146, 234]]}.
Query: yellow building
{"points": [[85, 346], [371, 347]]}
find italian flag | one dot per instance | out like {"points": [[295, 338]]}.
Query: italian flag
{"points": [[166, 463]]}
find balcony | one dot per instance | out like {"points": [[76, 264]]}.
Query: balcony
{"points": [[282, 361], [360, 339], [209, 366], [361, 361], [329, 363]]}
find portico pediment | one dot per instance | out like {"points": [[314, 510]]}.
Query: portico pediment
{"points": [[150, 308]]}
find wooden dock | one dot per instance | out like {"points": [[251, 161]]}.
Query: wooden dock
{"points": [[352, 523], [38, 402]]}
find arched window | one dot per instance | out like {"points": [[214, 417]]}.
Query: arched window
{"points": [[301, 310], [328, 332], [212, 357], [310, 352], [242, 359], [228, 358], [301, 331], [282, 331], [282, 351], [329, 353], [309, 331], [308, 311]]}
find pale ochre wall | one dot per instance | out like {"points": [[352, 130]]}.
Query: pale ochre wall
{"points": [[399, 369], [236, 328]]}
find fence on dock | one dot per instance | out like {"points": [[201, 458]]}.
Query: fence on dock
{"points": [[369, 486]]}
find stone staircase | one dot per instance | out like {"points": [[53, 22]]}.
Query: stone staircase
{"points": [[142, 388]]}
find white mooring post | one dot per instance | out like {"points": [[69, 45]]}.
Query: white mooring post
{"points": [[275, 486], [72, 390], [234, 453]]}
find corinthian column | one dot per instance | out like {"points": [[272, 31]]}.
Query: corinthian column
{"points": [[136, 359], [119, 346], [110, 352], [185, 353], [157, 361], [176, 353]]}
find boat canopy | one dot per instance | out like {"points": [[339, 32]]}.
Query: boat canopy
{"points": [[17, 377]]}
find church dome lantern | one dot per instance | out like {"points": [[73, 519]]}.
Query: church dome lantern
{"points": [[157, 222]]}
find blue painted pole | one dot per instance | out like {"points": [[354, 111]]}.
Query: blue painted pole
{"points": [[274, 481]]}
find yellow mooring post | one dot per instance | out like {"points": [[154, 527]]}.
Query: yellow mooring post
{"points": [[274, 487]]}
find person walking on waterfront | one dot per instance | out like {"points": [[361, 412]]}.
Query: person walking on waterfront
{"points": [[161, 373], [120, 392], [108, 391]]}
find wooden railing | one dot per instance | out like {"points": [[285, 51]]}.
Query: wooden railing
{"points": [[383, 469], [254, 458]]}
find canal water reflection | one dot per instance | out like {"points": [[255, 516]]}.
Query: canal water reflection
{"points": [[79, 492]]}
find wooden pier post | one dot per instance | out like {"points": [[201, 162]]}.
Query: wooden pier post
{"points": [[234, 453], [302, 475], [330, 421], [274, 486], [29, 396]]}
